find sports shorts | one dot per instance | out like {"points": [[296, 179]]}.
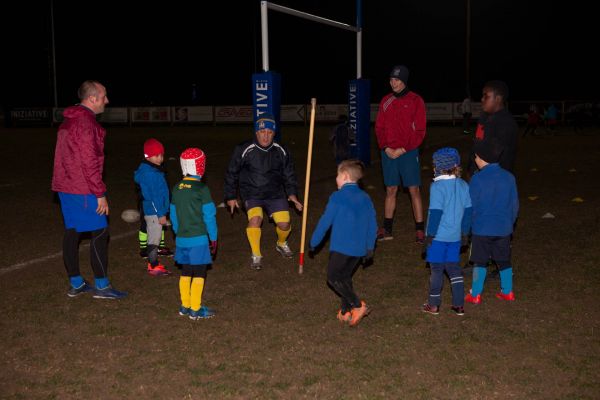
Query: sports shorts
{"points": [[79, 212], [269, 206], [486, 248], [404, 170]]}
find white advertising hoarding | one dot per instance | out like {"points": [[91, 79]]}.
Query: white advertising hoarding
{"points": [[185, 114], [150, 114], [233, 114]]}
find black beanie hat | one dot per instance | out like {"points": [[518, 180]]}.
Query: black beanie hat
{"points": [[400, 72], [489, 150]]}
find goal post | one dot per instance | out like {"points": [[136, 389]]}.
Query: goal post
{"points": [[266, 86]]}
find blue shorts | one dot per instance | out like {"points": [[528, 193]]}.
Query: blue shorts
{"points": [[404, 170], [486, 248], [79, 212], [197, 255], [269, 206], [443, 252]]}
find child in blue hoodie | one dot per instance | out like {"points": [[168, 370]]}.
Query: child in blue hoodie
{"points": [[155, 201], [351, 216], [448, 220]]}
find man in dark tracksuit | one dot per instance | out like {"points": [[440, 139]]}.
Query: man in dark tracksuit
{"points": [[263, 173]]}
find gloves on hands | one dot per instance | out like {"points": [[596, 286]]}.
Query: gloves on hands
{"points": [[213, 245]]}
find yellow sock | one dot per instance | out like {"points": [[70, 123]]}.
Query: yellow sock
{"points": [[197, 289], [254, 239], [282, 235], [184, 290]]}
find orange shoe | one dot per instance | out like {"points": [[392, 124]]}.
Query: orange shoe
{"points": [[359, 313], [159, 270], [344, 317], [507, 297], [473, 299]]}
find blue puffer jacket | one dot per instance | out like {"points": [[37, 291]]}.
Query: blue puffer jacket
{"points": [[155, 192]]}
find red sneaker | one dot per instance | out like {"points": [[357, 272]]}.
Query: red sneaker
{"points": [[507, 297], [473, 299], [159, 270]]}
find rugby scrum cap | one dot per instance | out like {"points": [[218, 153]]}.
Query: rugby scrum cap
{"points": [[400, 72], [266, 121], [445, 159], [489, 150], [193, 161], [153, 147]]}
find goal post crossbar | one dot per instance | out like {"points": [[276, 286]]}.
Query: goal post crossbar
{"points": [[311, 17], [265, 6]]}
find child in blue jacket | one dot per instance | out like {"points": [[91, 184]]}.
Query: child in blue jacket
{"points": [[495, 208], [448, 220], [155, 201], [351, 216]]}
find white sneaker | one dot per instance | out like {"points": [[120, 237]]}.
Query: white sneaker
{"points": [[256, 262], [284, 250]]}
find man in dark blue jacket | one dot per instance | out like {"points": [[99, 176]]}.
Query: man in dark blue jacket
{"points": [[262, 173]]}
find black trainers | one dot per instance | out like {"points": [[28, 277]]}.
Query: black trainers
{"points": [[165, 251], [458, 310], [382, 235], [429, 309], [84, 288]]}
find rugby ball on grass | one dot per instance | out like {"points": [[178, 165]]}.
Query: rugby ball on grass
{"points": [[130, 215]]}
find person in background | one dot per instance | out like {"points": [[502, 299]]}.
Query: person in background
{"points": [[342, 136], [496, 122], [466, 114]]}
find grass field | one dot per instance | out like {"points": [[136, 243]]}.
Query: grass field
{"points": [[275, 334]]}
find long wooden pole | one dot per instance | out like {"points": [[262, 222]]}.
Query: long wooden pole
{"points": [[313, 103]]}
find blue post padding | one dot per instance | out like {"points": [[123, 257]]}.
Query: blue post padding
{"points": [[266, 98], [359, 117]]}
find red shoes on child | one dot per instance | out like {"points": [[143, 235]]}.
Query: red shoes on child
{"points": [[159, 270], [477, 299], [507, 297]]}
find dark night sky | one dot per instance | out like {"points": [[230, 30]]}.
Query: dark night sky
{"points": [[151, 54]]}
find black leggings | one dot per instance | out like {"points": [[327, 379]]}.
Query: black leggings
{"points": [[98, 252], [339, 277]]}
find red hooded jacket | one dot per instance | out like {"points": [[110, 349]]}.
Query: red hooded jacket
{"points": [[79, 154], [401, 121]]}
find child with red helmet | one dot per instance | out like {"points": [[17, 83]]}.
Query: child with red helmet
{"points": [[193, 215]]}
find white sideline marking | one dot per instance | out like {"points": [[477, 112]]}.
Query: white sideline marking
{"points": [[24, 264]]}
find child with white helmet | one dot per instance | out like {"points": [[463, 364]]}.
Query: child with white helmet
{"points": [[193, 215]]}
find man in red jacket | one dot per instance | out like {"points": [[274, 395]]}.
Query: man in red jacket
{"points": [[400, 129], [77, 177]]}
